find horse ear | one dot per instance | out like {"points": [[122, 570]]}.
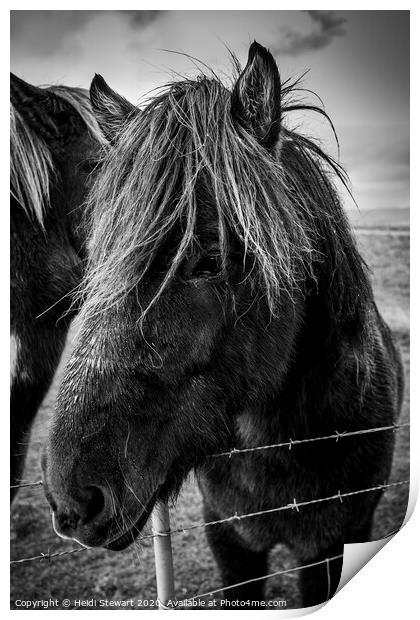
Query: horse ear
{"points": [[256, 97], [37, 106], [111, 110], [21, 90]]}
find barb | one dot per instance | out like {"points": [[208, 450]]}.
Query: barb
{"points": [[49, 556], [293, 442], [279, 572]]}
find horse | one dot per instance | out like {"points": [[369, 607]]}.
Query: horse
{"points": [[54, 135], [225, 305]]}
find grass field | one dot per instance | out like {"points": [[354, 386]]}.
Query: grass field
{"points": [[129, 574]]}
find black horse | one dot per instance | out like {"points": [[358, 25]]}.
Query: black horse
{"points": [[225, 305], [53, 137]]}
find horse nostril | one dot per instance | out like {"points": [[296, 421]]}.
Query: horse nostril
{"points": [[72, 513], [95, 503], [67, 521]]}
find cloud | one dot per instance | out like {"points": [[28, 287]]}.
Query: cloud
{"points": [[43, 33], [68, 47], [141, 18], [326, 26]]}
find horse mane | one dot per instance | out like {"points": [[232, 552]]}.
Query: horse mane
{"points": [[282, 207], [32, 164]]}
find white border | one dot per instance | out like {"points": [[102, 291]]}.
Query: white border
{"points": [[387, 585]]}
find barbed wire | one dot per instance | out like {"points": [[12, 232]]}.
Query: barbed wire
{"points": [[49, 556], [181, 530], [275, 574], [293, 442], [291, 506], [287, 444]]}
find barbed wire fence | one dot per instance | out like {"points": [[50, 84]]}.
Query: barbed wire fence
{"points": [[162, 532]]}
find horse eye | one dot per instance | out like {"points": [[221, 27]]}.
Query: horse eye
{"points": [[207, 266]]}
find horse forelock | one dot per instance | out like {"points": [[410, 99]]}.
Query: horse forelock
{"points": [[149, 187], [32, 162]]}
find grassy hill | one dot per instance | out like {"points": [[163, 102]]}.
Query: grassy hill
{"points": [[380, 218]]}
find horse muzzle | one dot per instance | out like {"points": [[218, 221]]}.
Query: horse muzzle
{"points": [[93, 517]]}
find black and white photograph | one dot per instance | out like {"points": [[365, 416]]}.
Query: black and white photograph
{"points": [[209, 304]]}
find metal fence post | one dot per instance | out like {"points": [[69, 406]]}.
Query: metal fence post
{"points": [[163, 555]]}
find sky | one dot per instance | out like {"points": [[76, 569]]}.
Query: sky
{"points": [[357, 62]]}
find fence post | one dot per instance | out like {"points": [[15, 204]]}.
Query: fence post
{"points": [[163, 554]]}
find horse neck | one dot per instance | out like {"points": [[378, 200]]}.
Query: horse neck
{"points": [[324, 370]]}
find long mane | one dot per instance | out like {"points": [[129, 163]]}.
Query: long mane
{"points": [[32, 163], [282, 207]]}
